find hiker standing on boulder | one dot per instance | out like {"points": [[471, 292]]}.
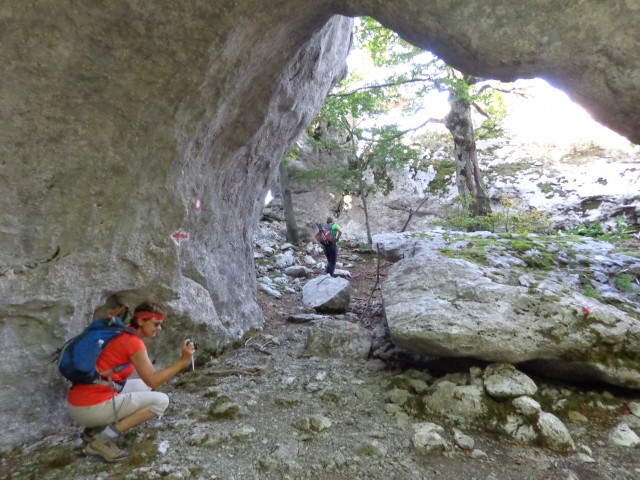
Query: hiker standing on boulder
{"points": [[131, 402], [328, 236]]}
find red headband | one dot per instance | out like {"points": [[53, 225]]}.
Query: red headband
{"points": [[149, 316]]}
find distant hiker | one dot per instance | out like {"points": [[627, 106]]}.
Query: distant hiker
{"points": [[131, 402], [328, 236]]}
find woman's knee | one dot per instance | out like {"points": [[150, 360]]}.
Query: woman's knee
{"points": [[158, 403]]}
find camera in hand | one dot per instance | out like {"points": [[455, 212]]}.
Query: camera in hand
{"points": [[195, 344]]}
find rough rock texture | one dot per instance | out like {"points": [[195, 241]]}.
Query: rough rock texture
{"points": [[327, 294], [133, 131], [125, 124], [442, 306]]}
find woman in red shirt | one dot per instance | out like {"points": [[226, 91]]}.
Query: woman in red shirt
{"points": [[96, 405]]}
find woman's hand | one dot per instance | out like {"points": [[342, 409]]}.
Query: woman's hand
{"points": [[154, 378], [188, 349]]}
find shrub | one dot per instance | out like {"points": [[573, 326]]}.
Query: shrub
{"points": [[512, 218]]}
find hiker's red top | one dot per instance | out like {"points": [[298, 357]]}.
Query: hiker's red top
{"points": [[117, 352]]}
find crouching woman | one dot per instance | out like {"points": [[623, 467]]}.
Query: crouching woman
{"points": [[100, 405]]}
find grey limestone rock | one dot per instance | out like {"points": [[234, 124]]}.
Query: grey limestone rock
{"points": [[326, 294]]}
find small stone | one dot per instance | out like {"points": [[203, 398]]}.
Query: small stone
{"points": [[576, 417], [478, 454], [427, 438], [313, 423], [465, 442], [504, 381], [554, 434], [398, 396], [243, 433], [224, 407], [526, 406], [623, 436], [371, 448], [584, 458]]}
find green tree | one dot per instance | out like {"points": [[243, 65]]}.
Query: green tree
{"points": [[372, 149], [459, 122], [370, 138], [414, 75]]}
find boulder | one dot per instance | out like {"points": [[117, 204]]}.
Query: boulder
{"points": [[504, 381], [443, 306], [334, 338], [327, 294]]}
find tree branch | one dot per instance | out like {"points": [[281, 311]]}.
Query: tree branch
{"points": [[382, 85], [412, 213]]}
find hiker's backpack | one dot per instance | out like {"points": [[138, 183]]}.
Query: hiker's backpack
{"points": [[77, 358], [325, 234]]}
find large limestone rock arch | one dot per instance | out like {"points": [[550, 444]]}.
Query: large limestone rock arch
{"points": [[138, 140], [586, 48]]}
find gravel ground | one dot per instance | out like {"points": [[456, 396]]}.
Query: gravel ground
{"points": [[268, 410]]}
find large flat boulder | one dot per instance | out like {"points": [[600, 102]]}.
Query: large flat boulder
{"points": [[450, 307]]}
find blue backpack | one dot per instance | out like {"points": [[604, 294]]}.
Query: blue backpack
{"points": [[77, 358]]}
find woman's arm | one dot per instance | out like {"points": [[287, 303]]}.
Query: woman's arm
{"points": [[154, 378]]}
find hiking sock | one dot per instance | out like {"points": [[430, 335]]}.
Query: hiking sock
{"points": [[110, 432]]}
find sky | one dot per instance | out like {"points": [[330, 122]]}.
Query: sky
{"points": [[550, 116]]}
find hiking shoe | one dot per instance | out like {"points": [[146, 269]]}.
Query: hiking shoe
{"points": [[106, 448], [89, 432]]}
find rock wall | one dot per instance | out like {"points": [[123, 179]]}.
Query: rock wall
{"points": [[138, 141]]}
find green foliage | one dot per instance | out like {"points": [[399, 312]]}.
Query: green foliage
{"points": [[621, 230], [531, 251], [515, 218], [495, 107], [545, 187], [385, 46], [358, 113], [594, 230], [512, 169], [625, 282], [591, 293], [512, 218], [445, 171]]}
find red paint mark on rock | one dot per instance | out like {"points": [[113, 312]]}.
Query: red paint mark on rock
{"points": [[179, 236]]}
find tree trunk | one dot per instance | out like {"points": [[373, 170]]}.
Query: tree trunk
{"points": [[363, 195], [468, 175], [287, 204]]}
